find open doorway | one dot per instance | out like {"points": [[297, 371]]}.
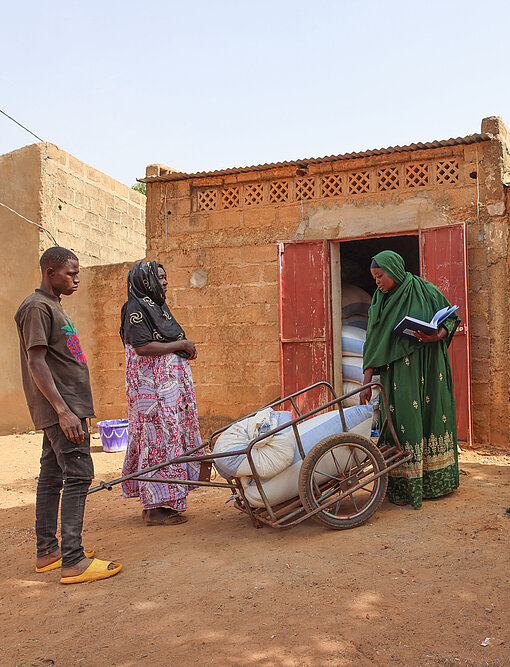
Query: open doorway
{"points": [[311, 310], [355, 257], [352, 287]]}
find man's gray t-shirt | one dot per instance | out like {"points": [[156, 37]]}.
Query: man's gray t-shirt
{"points": [[42, 321]]}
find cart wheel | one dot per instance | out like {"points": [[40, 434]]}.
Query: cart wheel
{"points": [[332, 467]]}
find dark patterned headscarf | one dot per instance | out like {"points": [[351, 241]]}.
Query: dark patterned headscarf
{"points": [[145, 317]]}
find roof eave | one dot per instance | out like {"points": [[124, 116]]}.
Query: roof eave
{"points": [[458, 141]]}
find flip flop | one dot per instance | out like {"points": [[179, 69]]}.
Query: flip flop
{"points": [[97, 570], [89, 553], [172, 520]]}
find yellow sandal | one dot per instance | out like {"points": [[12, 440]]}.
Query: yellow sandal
{"points": [[89, 553], [96, 571]]}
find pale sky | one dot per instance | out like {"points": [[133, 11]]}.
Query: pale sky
{"points": [[208, 85]]}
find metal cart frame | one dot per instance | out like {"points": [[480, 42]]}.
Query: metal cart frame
{"points": [[298, 509]]}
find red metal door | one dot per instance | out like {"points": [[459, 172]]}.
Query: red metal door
{"points": [[444, 263], [304, 319]]}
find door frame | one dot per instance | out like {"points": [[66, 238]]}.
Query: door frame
{"points": [[465, 328], [336, 303], [333, 306], [325, 338], [336, 306]]}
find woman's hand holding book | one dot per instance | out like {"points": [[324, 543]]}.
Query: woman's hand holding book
{"points": [[431, 338]]}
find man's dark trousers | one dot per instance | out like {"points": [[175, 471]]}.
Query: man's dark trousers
{"points": [[63, 463]]}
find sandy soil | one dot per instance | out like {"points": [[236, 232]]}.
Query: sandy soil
{"points": [[408, 588]]}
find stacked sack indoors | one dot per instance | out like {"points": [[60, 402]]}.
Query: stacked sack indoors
{"points": [[355, 305]]}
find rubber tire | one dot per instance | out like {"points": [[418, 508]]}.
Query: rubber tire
{"points": [[308, 498]]}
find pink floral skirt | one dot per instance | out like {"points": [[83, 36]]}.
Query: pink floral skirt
{"points": [[163, 424]]}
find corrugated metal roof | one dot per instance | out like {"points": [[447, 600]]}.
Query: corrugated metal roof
{"points": [[181, 175]]}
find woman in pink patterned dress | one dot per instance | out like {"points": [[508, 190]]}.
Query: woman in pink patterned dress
{"points": [[163, 420]]}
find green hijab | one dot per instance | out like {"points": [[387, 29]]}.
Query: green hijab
{"points": [[413, 296]]}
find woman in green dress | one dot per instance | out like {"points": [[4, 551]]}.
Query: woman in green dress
{"points": [[417, 378]]}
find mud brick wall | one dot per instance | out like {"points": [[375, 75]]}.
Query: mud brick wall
{"points": [[235, 328], [232, 316], [102, 220], [488, 259], [217, 236], [19, 257], [95, 311]]}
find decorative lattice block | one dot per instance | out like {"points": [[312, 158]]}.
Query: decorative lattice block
{"points": [[230, 197], [253, 194], [279, 192], [207, 200], [305, 188], [358, 182], [388, 179], [331, 186], [417, 175], [447, 172]]}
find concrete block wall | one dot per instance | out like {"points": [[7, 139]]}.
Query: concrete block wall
{"points": [[222, 266], [223, 271], [234, 326], [102, 220], [233, 319], [95, 311]]}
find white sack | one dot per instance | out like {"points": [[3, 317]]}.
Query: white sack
{"points": [[353, 340], [285, 485], [353, 400], [352, 369], [270, 456], [355, 300]]}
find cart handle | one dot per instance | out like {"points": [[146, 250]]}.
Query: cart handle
{"points": [[289, 398], [186, 458]]}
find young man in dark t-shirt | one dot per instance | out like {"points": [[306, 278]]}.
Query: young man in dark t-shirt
{"points": [[57, 388]]}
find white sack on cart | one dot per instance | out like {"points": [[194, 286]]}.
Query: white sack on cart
{"points": [[270, 455], [285, 485]]}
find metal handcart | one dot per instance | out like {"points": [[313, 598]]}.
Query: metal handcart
{"points": [[342, 480]]}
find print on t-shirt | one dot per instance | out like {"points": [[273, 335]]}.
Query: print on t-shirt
{"points": [[73, 342]]}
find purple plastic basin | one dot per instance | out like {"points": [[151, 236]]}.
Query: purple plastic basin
{"points": [[114, 434]]}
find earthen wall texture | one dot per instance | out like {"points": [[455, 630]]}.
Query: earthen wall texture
{"points": [[100, 219], [217, 237], [19, 256], [95, 311]]}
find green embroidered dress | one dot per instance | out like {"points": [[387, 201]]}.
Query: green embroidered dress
{"points": [[418, 382]]}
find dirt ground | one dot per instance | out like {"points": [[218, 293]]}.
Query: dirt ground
{"points": [[408, 588]]}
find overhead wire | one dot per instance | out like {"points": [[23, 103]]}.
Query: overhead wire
{"points": [[17, 123], [8, 207]]}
